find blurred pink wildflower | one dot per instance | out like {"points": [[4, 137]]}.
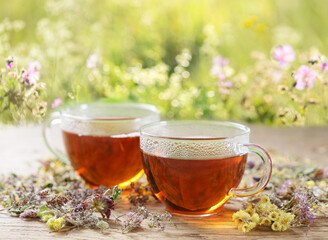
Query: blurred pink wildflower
{"points": [[10, 62], [56, 103], [324, 66], [304, 76], [36, 66], [218, 67], [94, 61], [276, 76], [32, 75], [284, 54], [225, 84], [9, 65]]}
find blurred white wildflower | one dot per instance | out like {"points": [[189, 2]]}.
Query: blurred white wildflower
{"points": [[94, 61], [211, 41]]}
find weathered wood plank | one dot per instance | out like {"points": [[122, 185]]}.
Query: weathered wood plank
{"points": [[214, 227], [21, 147]]}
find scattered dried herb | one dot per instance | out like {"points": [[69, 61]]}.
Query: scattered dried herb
{"points": [[57, 196], [296, 196], [297, 189]]}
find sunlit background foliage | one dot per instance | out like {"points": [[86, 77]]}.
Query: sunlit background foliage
{"points": [[163, 53]]}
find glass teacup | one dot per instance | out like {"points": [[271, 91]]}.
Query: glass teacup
{"points": [[102, 140], [195, 167]]}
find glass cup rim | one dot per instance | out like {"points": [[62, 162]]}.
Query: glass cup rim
{"points": [[246, 130], [66, 112]]}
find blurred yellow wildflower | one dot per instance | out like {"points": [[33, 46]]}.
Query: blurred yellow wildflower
{"points": [[249, 22], [260, 28]]}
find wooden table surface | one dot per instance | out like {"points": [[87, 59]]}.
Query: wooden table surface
{"points": [[20, 148]]}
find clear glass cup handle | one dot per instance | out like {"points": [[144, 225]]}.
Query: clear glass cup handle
{"points": [[52, 121], [267, 170]]}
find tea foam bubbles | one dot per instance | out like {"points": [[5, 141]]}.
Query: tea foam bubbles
{"points": [[193, 142], [191, 149], [112, 119], [115, 129]]}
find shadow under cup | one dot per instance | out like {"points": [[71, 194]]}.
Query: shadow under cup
{"points": [[102, 140], [194, 167]]}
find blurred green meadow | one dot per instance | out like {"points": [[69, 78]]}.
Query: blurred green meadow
{"points": [[162, 53]]}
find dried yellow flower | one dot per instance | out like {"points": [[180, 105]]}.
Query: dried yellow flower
{"points": [[265, 221], [276, 226], [252, 225], [284, 227], [310, 183], [242, 215], [274, 215], [46, 217], [55, 223], [265, 199], [256, 218], [264, 208], [250, 209], [245, 228], [286, 218], [250, 206], [270, 214]]}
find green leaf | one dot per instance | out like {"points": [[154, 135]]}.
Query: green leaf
{"points": [[8, 202], [43, 210], [18, 210], [116, 194], [48, 185], [308, 171]]}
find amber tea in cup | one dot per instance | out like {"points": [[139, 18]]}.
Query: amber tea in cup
{"points": [[102, 140], [194, 167]]}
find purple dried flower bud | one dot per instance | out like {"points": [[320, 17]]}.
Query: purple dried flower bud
{"points": [[285, 185], [102, 204], [300, 198], [109, 206], [79, 208], [303, 207], [250, 164], [133, 221], [29, 213], [256, 179]]}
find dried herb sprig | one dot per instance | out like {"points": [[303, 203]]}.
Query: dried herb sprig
{"points": [[59, 197], [139, 194], [135, 218]]}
